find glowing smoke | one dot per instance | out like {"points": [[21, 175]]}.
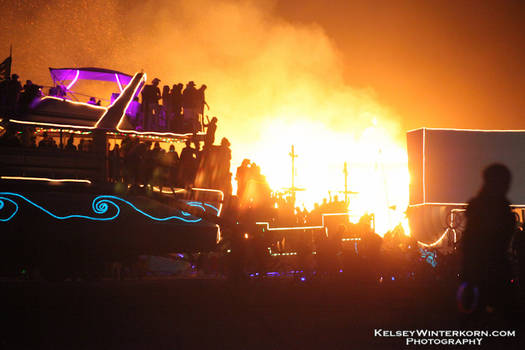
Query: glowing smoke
{"points": [[270, 83]]}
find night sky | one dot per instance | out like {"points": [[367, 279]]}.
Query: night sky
{"points": [[433, 63]]}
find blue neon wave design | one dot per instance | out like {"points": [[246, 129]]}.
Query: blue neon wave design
{"points": [[100, 205], [211, 206], [202, 206]]}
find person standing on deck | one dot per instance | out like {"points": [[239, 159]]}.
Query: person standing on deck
{"points": [[150, 101]]}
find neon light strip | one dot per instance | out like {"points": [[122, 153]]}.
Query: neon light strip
{"points": [[456, 204], [74, 80], [219, 211], [51, 124], [73, 102], [473, 130], [100, 205], [437, 203], [436, 242], [69, 131], [157, 189], [127, 104], [211, 206], [424, 165], [158, 133], [292, 228], [118, 82], [215, 191], [43, 179]]}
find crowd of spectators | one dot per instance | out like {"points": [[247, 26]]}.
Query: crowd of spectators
{"points": [[179, 109], [176, 109], [147, 164], [15, 98], [137, 162]]}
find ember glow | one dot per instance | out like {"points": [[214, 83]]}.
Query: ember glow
{"points": [[271, 84]]}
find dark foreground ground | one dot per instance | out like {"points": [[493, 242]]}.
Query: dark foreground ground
{"points": [[214, 314]]}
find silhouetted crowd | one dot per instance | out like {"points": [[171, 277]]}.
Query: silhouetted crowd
{"points": [[14, 98], [143, 163], [138, 163], [177, 109]]}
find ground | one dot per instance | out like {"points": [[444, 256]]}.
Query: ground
{"points": [[167, 313]]}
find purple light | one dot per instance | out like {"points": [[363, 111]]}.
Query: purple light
{"points": [[303, 279], [341, 270], [393, 278], [74, 80], [118, 82]]}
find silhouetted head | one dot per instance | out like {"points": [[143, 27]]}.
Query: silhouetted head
{"points": [[225, 142], [496, 179], [214, 120], [172, 148], [155, 81], [191, 84], [14, 76]]}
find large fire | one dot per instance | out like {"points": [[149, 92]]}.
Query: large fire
{"points": [[377, 166], [271, 83]]}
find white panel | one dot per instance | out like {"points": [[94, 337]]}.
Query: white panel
{"points": [[455, 159]]}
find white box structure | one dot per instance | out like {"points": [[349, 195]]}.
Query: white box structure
{"points": [[446, 165]]}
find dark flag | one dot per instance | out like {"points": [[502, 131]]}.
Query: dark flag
{"points": [[5, 69]]}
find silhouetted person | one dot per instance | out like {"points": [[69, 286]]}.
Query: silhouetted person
{"points": [[13, 94], [175, 122], [157, 155], [70, 146], [150, 101], [47, 141], [166, 105], [115, 164], [187, 164], [490, 226], [31, 91], [224, 162], [189, 103], [171, 162], [200, 101], [209, 139], [242, 177]]}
